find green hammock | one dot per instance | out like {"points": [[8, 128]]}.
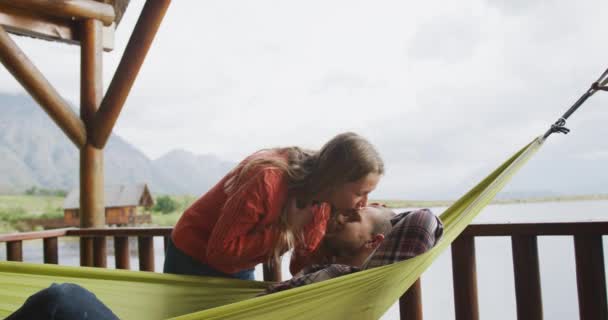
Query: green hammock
{"points": [[363, 295]]}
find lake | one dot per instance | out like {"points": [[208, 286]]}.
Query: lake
{"points": [[495, 282]]}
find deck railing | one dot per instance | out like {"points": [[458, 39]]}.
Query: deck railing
{"points": [[587, 237]]}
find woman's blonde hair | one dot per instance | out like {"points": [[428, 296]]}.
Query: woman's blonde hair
{"points": [[346, 158]]}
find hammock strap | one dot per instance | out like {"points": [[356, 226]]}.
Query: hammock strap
{"points": [[560, 124]]}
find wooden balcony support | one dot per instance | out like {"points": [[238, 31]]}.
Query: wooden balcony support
{"points": [[527, 278], [72, 9], [121, 252], [100, 252], [590, 277], [141, 39], [272, 270], [14, 250], [465, 278], [51, 250], [410, 303], [17, 63], [145, 246]]}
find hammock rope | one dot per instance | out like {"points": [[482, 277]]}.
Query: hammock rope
{"points": [[560, 125]]}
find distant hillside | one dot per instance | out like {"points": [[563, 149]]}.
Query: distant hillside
{"points": [[35, 152]]}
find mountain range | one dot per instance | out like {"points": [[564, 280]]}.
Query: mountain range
{"points": [[35, 152]]}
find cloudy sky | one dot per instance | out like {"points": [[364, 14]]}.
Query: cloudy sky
{"points": [[445, 90]]}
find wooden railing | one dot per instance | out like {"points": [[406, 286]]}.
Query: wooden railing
{"points": [[590, 273], [587, 237]]}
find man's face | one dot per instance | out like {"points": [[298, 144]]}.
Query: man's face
{"points": [[350, 231]]}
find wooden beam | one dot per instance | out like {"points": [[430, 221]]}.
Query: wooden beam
{"points": [[527, 278], [537, 229], [132, 59], [51, 250], [145, 248], [92, 210], [26, 23], [35, 235], [465, 278], [590, 277], [41, 90], [410, 303], [72, 9], [14, 250], [121, 252], [272, 270]]}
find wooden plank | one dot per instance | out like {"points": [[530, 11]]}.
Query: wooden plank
{"points": [[51, 251], [272, 270], [67, 9], [17, 236], [132, 59], [26, 23], [527, 278], [146, 253], [121, 252], [100, 257], [590, 277], [537, 229], [465, 278], [86, 252], [134, 231], [14, 251], [41, 90], [410, 303]]}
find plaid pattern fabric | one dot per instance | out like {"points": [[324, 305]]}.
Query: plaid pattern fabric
{"points": [[313, 274], [413, 233]]}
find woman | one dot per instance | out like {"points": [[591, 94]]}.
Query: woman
{"points": [[273, 201]]}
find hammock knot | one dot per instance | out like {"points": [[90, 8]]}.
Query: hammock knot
{"points": [[559, 126]]}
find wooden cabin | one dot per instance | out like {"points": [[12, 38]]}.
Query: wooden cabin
{"points": [[123, 205]]}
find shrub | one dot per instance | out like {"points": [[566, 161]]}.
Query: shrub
{"points": [[165, 205]]}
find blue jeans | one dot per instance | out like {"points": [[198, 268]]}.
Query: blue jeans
{"points": [[178, 262], [63, 302]]}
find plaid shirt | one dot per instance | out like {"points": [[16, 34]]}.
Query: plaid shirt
{"points": [[413, 233]]}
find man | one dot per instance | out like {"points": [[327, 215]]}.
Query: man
{"points": [[366, 240]]}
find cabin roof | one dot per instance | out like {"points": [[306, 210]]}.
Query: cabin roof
{"points": [[119, 195]]}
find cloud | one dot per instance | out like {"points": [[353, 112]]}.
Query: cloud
{"points": [[446, 91]]}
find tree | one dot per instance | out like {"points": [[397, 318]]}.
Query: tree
{"points": [[165, 204]]}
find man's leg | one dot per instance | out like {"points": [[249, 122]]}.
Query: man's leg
{"points": [[63, 302]]}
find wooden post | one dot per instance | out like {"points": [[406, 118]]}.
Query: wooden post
{"points": [[410, 303], [527, 277], [121, 252], [146, 253], [272, 270], [132, 59], [465, 278], [51, 250], [590, 277], [14, 251], [100, 258], [92, 211]]}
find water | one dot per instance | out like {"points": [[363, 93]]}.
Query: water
{"points": [[495, 282]]}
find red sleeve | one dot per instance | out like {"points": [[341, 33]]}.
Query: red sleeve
{"points": [[245, 232], [308, 253]]}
